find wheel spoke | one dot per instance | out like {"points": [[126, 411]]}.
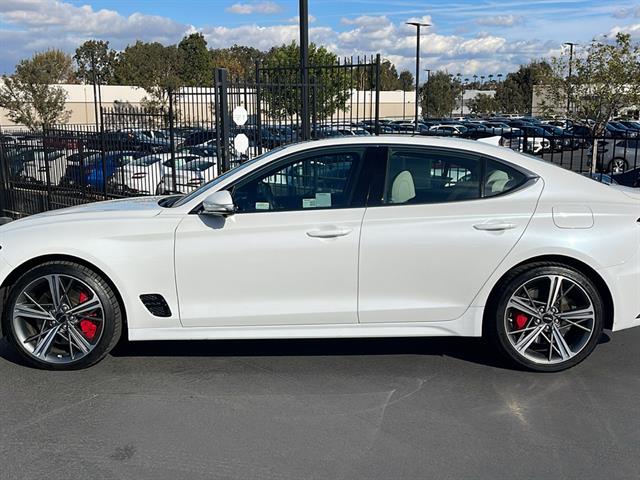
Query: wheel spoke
{"points": [[577, 325], [54, 289], [525, 342], [79, 339], [522, 330], [563, 348], [554, 290], [24, 311], [34, 303], [85, 307], [519, 304], [42, 348], [577, 315]]}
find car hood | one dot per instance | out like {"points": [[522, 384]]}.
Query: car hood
{"points": [[122, 208]]}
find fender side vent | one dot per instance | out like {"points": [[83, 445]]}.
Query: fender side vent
{"points": [[156, 304]]}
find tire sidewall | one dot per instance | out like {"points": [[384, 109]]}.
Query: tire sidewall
{"points": [[111, 328], [514, 283]]}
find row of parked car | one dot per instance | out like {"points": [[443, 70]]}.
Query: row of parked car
{"points": [[119, 171], [138, 160]]}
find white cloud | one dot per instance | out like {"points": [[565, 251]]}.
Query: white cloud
{"points": [[35, 25], [627, 12], [633, 30], [251, 8], [499, 20]]}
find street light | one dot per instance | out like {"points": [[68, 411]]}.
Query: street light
{"points": [[418, 25], [571, 45], [304, 67], [426, 93]]}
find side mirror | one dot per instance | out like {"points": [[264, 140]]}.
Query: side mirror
{"points": [[219, 203]]}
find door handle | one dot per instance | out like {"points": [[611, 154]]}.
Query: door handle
{"points": [[329, 232], [494, 226]]}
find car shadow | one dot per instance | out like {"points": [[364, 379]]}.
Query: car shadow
{"points": [[472, 350]]}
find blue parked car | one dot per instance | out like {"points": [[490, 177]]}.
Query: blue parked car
{"points": [[85, 169]]}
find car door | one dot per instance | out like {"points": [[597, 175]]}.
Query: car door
{"points": [[289, 255], [435, 230]]}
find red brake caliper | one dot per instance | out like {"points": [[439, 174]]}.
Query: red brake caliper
{"points": [[521, 320], [87, 326]]}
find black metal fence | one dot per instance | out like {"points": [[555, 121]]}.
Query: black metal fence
{"points": [[195, 133]]}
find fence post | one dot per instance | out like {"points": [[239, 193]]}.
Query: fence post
{"points": [[222, 109], [47, 174], [258, 108], [377, 107], [172, 140], [4, 177], [314, 109]]}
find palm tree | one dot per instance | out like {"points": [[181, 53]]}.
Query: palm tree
{"points": [[490, 78]]}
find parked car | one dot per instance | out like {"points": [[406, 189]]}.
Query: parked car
{"points": [[90, 174], [199, 137], [432, 236], [144, 174], [617, 156], [447, 130], [189, 177], [45, 166]]}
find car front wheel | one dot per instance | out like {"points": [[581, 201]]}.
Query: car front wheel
{"points": [[62, 316], [547, 317]]}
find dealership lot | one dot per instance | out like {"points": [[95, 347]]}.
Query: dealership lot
{"points": [[405, 408]]}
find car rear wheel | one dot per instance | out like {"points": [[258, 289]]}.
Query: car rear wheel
{"points": [[547, 317], [62, 316]]}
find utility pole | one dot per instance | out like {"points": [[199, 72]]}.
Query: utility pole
{"points": [[426, 93], [304, 67], [571, 45], [418, 25]]}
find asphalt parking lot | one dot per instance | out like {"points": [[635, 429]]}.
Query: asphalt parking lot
{"points": [[330, 409]]}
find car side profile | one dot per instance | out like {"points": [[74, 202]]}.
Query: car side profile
{"points": [[343, 237]]}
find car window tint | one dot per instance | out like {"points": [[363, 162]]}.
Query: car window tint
{"points": [[318, 181], [431, 176], [500, 178]]}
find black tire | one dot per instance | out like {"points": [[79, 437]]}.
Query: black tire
{"points": [[112, 328], [495, 324]]}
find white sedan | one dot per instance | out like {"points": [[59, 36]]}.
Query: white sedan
{"points": [[345, 237], [145, 174]]}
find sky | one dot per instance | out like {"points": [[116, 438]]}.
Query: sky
{"points": [[466, 36]]}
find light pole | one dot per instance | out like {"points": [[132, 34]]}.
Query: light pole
{"points": [[426, 93], [418, 25], [459, 78], [304, 67], [571, 45]]}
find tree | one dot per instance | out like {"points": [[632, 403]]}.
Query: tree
{"points": [[238, 59], [95, 54], [605, 79], [283, 95], [482, 104], [152, 66], [406, 81], [439, 96], [515, 93], [30, 94], [195, 61]]}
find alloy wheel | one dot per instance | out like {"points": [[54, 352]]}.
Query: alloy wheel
{"points": [[58, 319], [549, 319]]}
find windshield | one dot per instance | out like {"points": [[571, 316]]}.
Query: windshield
{"points": [[224, 176]]}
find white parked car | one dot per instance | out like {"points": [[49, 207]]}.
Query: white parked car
{"points": [[36, 167], [345, 237], [189, 176], [447, 130], [144, 174]]}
